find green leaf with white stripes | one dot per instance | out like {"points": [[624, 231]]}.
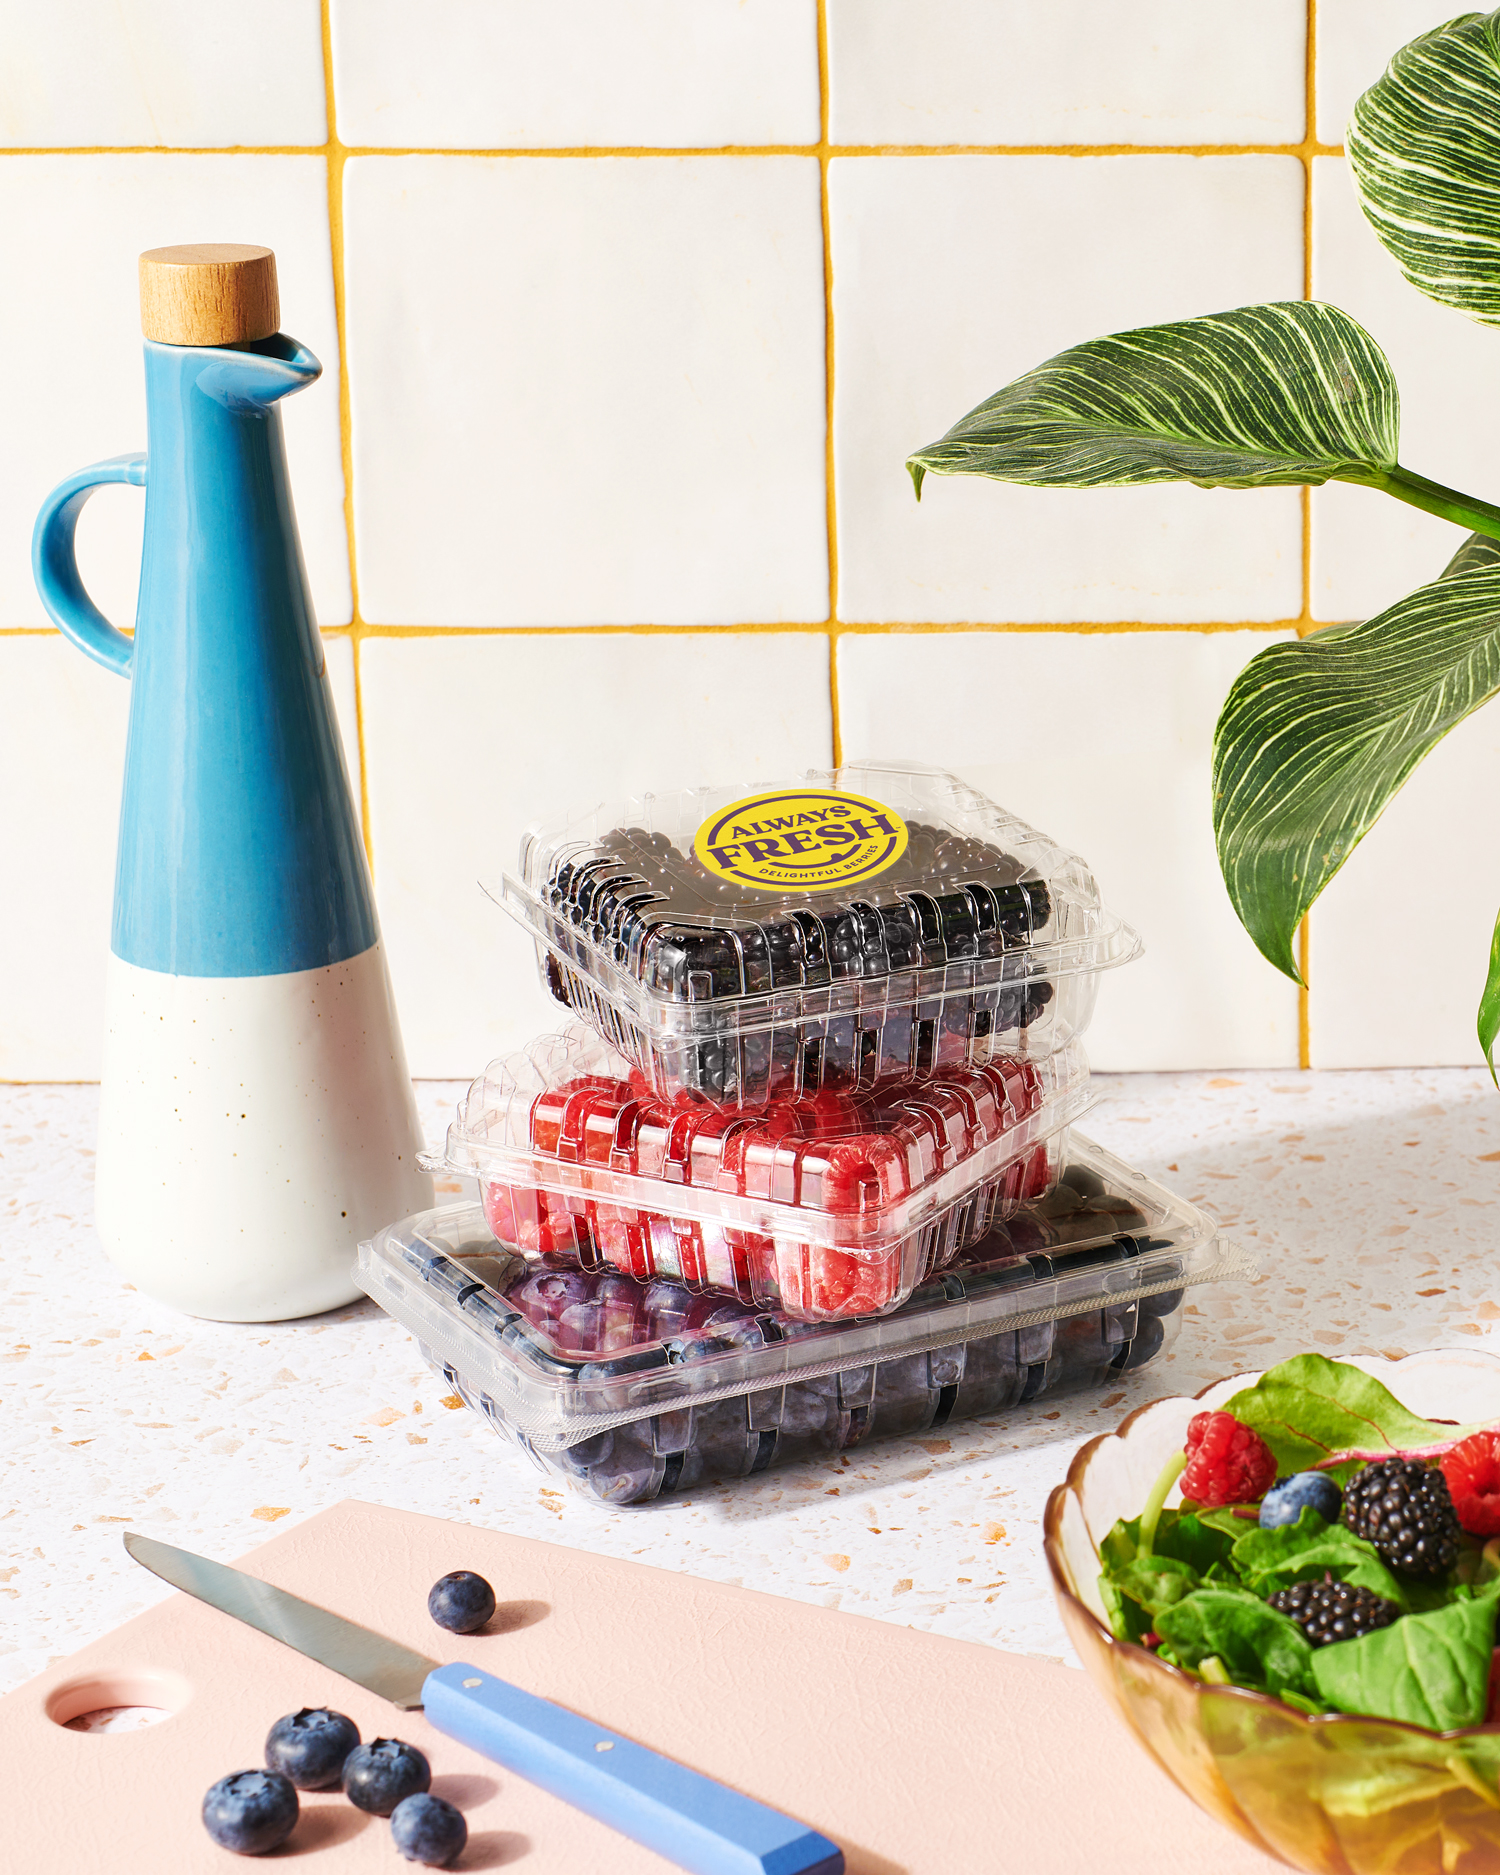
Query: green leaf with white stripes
{"points": [[1424, 145], [1317, 736], [1293, 392]]}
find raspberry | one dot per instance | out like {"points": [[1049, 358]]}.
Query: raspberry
{"points": [[1227, 1462], [1472, 1470]]}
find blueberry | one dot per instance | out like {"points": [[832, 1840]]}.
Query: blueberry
{"points": [[378, 1775], [428, 1829], [250, 1811], [1305, 1490], [309, 1747], [461, 1602]]}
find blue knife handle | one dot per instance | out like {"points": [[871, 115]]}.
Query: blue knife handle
{"points": [[700, 1825]]}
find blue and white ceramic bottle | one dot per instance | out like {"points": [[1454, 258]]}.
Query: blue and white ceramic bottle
{"points": [[256, 1116]]}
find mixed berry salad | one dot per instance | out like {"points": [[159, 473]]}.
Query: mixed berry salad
{"points": [[831, 1206], [1332, 1549], [882, 922]]}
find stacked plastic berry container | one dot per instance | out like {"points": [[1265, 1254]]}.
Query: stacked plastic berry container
{"points": [[810, 1120], [635, 1388]]}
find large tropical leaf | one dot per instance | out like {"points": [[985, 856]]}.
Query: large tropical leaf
{"points": [[1424, 144], [1290, 392], [1317, 736]]}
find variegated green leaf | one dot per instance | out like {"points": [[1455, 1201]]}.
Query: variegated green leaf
{"points": [[1478, 554], [1291, 392], [1424, 145], [1316, 737], [1489, 1005]]}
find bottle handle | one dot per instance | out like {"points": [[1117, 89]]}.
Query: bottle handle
{"points": [[54, 564]]}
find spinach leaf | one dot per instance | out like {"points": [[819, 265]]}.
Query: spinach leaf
{"points": [[1430, 1669], [1157, 1582], [1258, 1646], [1310, 1407], [1268, 1560], [1185, 1535], [1128, 1621]]}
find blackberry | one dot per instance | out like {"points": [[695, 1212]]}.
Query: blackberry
{"points": [[1403, 1507], [1334, 1611]]}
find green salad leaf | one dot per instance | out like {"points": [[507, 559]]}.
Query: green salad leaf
{"points": [[1258, 1646], [1268, 1560], [1431, 1669], [1309, 1408], [1157, 1582]]}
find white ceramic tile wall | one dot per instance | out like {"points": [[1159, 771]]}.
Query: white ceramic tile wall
{"points": [[589, 387], [467, 740], [587, 391], [1368, 550], [1069, 72], [1393, 991], [71, 227], [1355, 40], [512, 74], [954, 274], [1103, 741], [193, 74]]}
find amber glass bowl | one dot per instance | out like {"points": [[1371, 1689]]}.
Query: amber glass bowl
{"points": [[1338, 1795]]}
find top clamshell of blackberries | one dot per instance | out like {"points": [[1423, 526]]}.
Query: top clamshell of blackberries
{"points": [[751, 904]]}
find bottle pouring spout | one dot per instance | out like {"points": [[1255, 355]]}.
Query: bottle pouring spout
{"points": [[251, 377]]}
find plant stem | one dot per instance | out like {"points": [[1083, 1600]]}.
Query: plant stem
{"points": [[1480, 516], [1151, 1515]]}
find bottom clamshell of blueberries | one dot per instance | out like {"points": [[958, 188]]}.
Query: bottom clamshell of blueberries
{"points": [[638, 1389]]}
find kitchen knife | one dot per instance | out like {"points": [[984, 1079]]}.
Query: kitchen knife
{"points": [[687, 1818]]}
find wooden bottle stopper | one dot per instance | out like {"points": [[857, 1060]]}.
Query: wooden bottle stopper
{"points": [[213, 294]]}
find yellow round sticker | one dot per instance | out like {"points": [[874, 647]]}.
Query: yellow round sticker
{"points": [[801, 840]]}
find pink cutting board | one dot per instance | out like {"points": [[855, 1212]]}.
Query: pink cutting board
{"points": [[920, 1756]]}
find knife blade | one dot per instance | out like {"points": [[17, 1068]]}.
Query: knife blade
{"points": [[702, 1826]]}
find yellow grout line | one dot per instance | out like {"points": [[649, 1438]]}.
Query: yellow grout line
{"points": [[830, 498], [573, 153], [811, 627], [335, 155]]}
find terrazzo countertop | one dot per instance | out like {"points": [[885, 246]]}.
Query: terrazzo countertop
{"points": [[1369, 1199]]}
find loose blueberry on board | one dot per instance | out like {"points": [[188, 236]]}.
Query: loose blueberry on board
{"points": [[428, 1829], [1304, 1490], [250, 1811], [309, 1747], [378, 1775], [461, 1602]]}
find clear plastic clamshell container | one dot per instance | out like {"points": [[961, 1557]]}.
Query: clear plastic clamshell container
{"points": [[635, 1389], [881, 921], [827, 1207]]}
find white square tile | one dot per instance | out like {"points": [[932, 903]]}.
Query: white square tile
{"points": [[510, 74], [1103, 740], [72, 228], [1368, 550], [955, 274], [470, 739], [1070, 72], [1401, 938], [62, 755], [178, 73], [1356, 40], [587, 390]]}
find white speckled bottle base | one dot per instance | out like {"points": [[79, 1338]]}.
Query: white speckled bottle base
{"points": [[251, 1131]]}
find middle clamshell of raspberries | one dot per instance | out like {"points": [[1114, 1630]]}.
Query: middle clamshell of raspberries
{"points": [[1404, 1509], [1334, 1611]]}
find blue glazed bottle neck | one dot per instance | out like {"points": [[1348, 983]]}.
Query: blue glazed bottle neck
{"points": [[240, 852]]}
